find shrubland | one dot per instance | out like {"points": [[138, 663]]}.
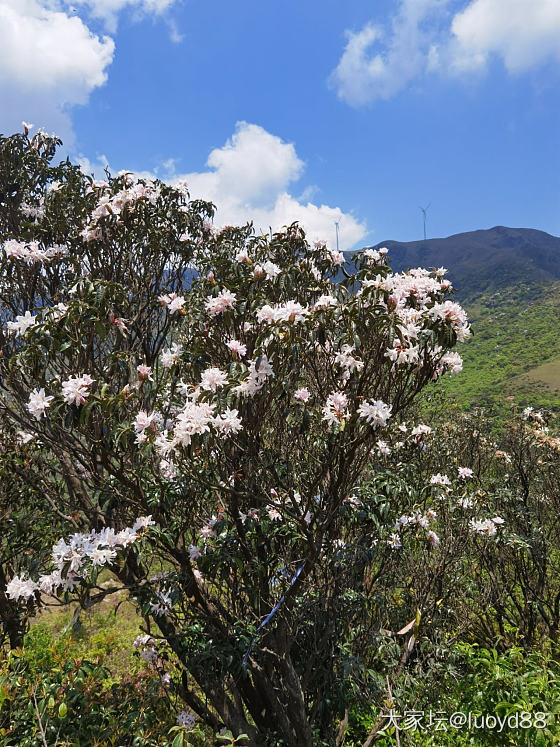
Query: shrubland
{"points": [[215, 427]]}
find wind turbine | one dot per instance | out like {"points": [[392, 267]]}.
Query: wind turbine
{"points": [[336, 225], [424, 211]]}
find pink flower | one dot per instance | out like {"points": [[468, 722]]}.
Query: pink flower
{"points": [[464, 472], [213, 379], [222, 302], [76, 389], [302, 394], [237, 348], [38, 403], [433, 539], [173, 302], [144, 372]]}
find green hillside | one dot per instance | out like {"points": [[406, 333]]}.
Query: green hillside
{"points": [[515, 349], [508, 279]]}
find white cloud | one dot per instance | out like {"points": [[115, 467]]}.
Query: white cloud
{"points": [[248, 180], [425, 39], [49, 61], [377, 65], [108, 10], [523, 33]]}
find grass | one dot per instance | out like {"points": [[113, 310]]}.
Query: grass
{"points": [[514, 352], [547, 375], [103, 634]]}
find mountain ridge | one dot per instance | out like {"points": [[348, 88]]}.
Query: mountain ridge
{"points": [[485, 259]]}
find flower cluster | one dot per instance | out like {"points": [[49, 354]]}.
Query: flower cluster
{"points": [[291, 311], [75, 390], [420, 520], [22, 323], [375, 412], [30, 252], [172, 302], [260, 370], [73, 558], [221, 303], [488, 527], [113, 206]]}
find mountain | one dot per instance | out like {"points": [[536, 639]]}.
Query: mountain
{"points": [[485, 260], [508, 279]]}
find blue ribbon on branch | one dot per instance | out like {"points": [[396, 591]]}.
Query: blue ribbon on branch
{"points": [[271, 614]]}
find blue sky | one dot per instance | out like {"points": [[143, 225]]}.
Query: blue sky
{"points": [[315, 110]]}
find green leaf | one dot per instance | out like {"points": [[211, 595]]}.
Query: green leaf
{"points": [[62, 710]]}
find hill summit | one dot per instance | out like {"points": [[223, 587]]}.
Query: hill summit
{"points": [[484, 261]]}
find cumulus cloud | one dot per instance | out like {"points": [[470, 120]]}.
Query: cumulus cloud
{"points": [[377, 64], [425, 38], [523, 33], [49, 61], [248, 179]]}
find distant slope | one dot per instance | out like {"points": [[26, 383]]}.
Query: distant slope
{"points": [[515, 349], [486, 260], [509, 281]]}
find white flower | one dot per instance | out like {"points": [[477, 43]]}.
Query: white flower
{"points": [[75, 390], [20, 587], [170, 356], [433, 539], [441, 480], [337, 257], [266, 314], [383, 448], [302, 394], [194, 419], [372, 255], [194, 552], [22, 323], [173, 302], [213, 379], [274, 514], [271, 270], [228, 422], [486, 526], [237, 348], [102, 556], [375, 412], [324, 302], [143, 522], [38, 403], [464, 472], [421, 430], [335, 409], [242, 256], [222, 302], [24, 438], [142, 422]]}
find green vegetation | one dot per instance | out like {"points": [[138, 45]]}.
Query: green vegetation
{"points": [[515, 349], [265, 543]]}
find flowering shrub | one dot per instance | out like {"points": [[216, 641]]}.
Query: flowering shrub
{"points": [[228, 389]]}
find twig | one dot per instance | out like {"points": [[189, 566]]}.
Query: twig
{"points": [[41, 730]]}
